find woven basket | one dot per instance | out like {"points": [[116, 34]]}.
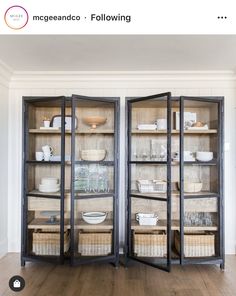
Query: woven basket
{"points": [[94, 243], [152, 186], [152, 244], [48, 243], [196, 244]]}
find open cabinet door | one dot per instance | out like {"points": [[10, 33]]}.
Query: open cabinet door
{"points": [[94, 180], [149, 180]]}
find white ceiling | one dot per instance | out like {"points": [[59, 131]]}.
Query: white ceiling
{"points": [[118, 53]]}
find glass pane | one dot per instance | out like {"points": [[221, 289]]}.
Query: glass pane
{"points": [[201, 178], [148, 181], [94, 179], [149, 120], [149, 230], [93, 229], [43, 179]]}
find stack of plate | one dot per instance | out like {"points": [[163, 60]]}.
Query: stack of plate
{"points": [[49, 184]]}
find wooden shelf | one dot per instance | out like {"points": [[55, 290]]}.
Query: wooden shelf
{"points": [[174, 193], [36, 192], [42, 224], [79, 224], [162, 225], [161, 132], [97, 131]]}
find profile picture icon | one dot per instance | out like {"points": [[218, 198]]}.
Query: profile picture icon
{"points": [[16, 17]]}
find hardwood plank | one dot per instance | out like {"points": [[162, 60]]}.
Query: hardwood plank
{"points": [[44, 279]]}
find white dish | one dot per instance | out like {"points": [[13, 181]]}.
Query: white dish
{"points": [[50, 181], [94, 217], [49, 189], [147, 127], [146, 219], [204, 156]]}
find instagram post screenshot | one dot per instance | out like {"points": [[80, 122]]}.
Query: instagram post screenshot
{"points": [[117, 148]]}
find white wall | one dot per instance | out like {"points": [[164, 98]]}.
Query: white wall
{"points": [[121, 85], [3, 158]]}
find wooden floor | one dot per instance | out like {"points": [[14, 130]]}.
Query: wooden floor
{"points": [[104, 280]]}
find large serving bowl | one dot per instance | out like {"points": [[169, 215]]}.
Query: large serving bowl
{"points": [[204, 156], [191, 187], [93, 155], [94, 217], [94, 121]]}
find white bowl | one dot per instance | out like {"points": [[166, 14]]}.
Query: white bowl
{"points": [[204, 156], [93, 155], [94, 217], [50, 181]]}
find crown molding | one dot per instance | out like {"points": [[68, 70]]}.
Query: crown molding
{"points": [[5, 74], [83, 76]]}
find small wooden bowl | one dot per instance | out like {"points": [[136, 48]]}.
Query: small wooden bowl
{"points": [[94, 121]]}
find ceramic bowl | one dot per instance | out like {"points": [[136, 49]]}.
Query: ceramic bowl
{"points": [[49, 181], [94, 121], [204, 156], [94, 217], [93, 155]]}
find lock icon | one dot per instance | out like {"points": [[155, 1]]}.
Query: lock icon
{"points": [[16, 284]]}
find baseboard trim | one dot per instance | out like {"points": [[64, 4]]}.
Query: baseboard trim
{"points": [[3, 248]]}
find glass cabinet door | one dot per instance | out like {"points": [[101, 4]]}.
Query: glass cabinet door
{"points": [[149, 180], [94, 175], [201, 233], [45, 236]]}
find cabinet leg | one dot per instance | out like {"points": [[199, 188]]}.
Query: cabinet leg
{"points": [[22, 262], [222, 266]]}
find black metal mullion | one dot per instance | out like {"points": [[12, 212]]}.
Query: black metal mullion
{"points": [[62, 203], [72, 214], [128, 206], [181, 176], [169, 159]]}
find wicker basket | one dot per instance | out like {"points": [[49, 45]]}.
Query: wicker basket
{"points": [[200, 244], [151, 244], [94, 243], [48, 242], [152, 186]]}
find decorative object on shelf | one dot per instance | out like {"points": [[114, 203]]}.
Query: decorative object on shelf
{"points": [[49, 128], [147, 127], [161, 124], [52, 215], [56, 122], [48, 242], [191, 187], [198, 219], [91, 178], [189, 119], [39, 156], [94, 121], [188, 156], [152, 186], [197, 244], [204, 156], [46, 122], [93, 155], [150, 244], [94, 243], [146, 219], [58, 158], [94, 217], [47, 152], [158, 151], [49, 185], [199, 125]]}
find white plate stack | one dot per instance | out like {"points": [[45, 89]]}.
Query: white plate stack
{"points": [[49, 185]]}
